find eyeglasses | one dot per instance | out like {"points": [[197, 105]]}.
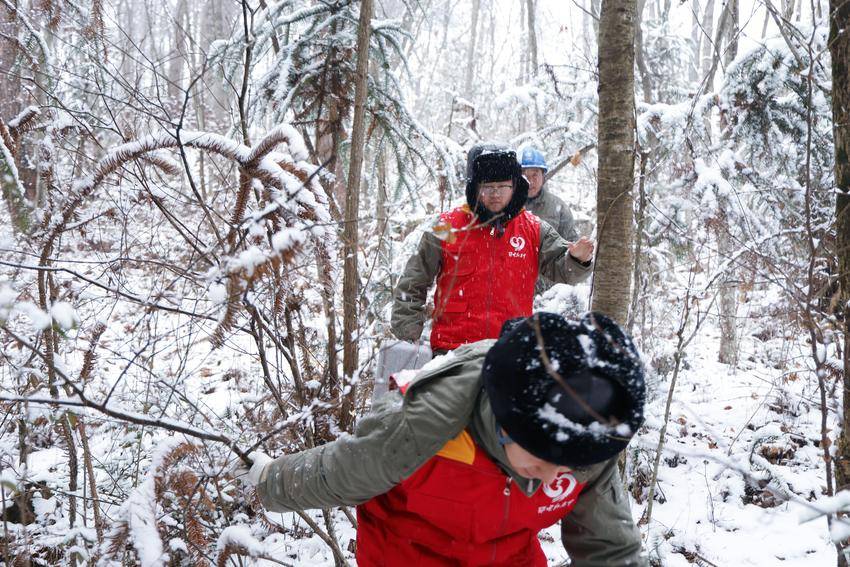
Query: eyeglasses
{"points": [[495, 190]]}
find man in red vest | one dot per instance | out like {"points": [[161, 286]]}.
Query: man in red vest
{"points": [[486, 256], [483, 449]]}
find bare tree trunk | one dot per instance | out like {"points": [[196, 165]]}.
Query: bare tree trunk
{"points": [[470, 52], [645, 79], [522, 78], [708, 37], [10, 85], [728, 304], [586, 22], [728, 353], [178, 60], [350, 279], [696, 42], [731, 27], [787, 9], [636, 263], [614, 199], [595, 9], [721, 33], [530, 8], [839, 48], [492, 52]]}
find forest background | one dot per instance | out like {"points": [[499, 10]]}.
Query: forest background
{"points": [[206, 206]]}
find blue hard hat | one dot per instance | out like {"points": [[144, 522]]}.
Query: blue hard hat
{"points": [[532, 157]]}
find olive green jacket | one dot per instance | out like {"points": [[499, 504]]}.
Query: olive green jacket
{"points": [[555, 211], [552, 209], [411, 292], [402, 433]]}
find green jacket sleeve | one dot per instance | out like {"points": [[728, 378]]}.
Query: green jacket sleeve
{"points": [[567, 224], [555, 262], [389, 444], [600, 531], [411, 292]]}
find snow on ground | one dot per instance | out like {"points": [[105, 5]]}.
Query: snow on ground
{"points": [[720, 416]]}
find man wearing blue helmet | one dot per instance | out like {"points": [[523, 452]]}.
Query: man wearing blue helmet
{"points": [[545, 204]]}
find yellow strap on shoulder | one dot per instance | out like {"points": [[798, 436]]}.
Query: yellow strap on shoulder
{"points": [[461, 448]]}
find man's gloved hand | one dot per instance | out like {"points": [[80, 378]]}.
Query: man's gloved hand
{"points": [[251, 476]]}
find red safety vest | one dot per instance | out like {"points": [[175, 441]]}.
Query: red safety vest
{"points": [[459, 509], [485, 279]]}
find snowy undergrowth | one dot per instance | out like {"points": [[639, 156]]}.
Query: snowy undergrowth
{"points": [[762, 418]]}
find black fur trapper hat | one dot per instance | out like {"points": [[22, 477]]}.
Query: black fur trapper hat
{"points": [[494, 162], [568, 392]]}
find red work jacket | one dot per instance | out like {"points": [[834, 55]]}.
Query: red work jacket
{"points": [[459, 509], [485, 279]]}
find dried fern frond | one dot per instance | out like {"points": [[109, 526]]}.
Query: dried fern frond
{"points": [[302, 174], [95, 28], [163, 163], [24, 122], [239, 208], [6, 136], [118, 540], [279, 135], [234, 304], [90, 356], [168, 462]]}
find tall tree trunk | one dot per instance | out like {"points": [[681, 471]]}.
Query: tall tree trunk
{"points": [[178, 59], [696, 42], [530, 8], [350, 279], [645, 79], [839, 48], [732, 30], [787, 9], [637, 266], [614, 199], [728, 304], [595, 9], [10, 85], [708, 37], [722, 33], [728, 353], [470, 52]]}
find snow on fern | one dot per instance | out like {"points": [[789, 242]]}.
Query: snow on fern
{"points": [[239, 538]]}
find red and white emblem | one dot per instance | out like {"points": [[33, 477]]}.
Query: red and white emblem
{"points": [[561, 487]]}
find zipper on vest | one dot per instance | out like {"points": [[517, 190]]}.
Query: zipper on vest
{"points": [[489, 315], [507, 495]]}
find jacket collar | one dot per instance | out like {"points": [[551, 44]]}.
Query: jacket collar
{"points": [[538, 198], [483, 429]]}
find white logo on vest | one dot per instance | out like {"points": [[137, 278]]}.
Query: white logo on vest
{"points": [[518, 242], [561, 491], [561, 487]]}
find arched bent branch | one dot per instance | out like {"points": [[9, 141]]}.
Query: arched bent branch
{"points": [[268, 171]]}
